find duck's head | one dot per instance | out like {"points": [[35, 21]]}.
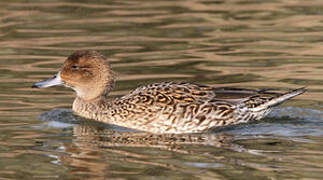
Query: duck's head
{"points": [[87, 72]]}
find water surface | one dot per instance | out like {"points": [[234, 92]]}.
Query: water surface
{"points": [[243, 43]]}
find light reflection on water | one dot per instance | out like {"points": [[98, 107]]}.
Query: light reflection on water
{"points": [[263, 44]]}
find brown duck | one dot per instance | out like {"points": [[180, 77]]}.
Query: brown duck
{"points": [[167, 107]]}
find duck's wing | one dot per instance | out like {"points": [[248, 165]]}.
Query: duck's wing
{"points": [[189, 92], [255, 99], [241, 94], [174, 92], [185, 107]]}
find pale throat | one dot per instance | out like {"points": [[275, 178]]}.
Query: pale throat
{"points": [[91, 93], [97, 88], [92, 97], [93, 109]]}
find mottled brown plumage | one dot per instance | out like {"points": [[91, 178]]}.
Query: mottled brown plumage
{"points": [[168, 107]]}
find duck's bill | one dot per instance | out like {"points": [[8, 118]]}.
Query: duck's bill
{"points": [[53, 81]]}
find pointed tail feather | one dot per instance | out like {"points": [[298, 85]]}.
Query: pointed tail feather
{"points": [[280, 99]]}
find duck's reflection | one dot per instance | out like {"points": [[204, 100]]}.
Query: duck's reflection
{"points": [[103, 138], [102, 152]]}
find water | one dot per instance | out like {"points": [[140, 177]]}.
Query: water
{"points": [[243, 43]]}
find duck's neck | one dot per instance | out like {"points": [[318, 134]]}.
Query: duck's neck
{"points": [[91, 108], [97, 89], [95, 102]]}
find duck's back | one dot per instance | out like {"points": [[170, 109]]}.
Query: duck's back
{"points": [[172, 107]]}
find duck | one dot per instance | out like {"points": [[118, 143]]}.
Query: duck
{"points": [[159, 108]]}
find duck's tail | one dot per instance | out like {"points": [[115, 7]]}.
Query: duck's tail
{"points": [[279, 99]]}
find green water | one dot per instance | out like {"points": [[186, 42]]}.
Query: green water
{"points": [[242, 43]]}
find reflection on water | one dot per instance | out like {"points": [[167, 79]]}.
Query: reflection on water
{"points": [[263, 44], [98, 150], [155, 153]]}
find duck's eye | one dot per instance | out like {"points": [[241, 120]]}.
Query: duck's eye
{"points": [[75, 67]]}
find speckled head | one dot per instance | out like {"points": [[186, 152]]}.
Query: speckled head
{"points": [[87, 72]]}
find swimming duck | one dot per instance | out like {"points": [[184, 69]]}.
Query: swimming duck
{"points": [[167, 107]]}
